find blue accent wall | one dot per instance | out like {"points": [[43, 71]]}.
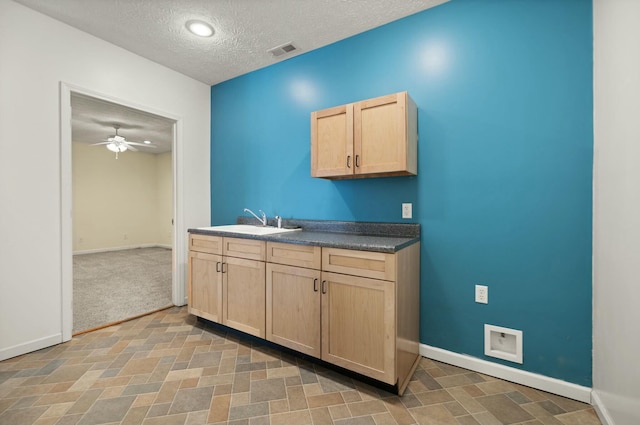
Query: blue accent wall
{"points": [[504, 187]]}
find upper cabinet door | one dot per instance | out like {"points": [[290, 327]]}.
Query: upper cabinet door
{"points": [[332, 142], [382, 139]]}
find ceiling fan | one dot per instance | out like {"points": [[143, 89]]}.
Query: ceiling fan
{"points": [[119, 144]]}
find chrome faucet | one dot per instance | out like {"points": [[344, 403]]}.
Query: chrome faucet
{"points": [[262, 220]]}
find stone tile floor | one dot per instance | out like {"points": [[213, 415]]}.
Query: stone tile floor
{"points": [[166, 368]]}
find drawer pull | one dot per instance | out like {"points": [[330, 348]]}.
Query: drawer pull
{"points": [[315, 285], [218, 267], [348, 161], [357, 161], [224, 269], [324, 286]]}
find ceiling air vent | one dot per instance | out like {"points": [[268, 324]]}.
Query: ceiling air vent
{"points": [[282, 50]]}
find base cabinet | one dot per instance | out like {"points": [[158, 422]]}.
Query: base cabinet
{"points": [[345, 320], [356, 309], [226, 282]]}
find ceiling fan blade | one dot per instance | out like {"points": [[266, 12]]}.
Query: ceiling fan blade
{"points": [[131, 147], [140, 144], [101, 143], [120, 125]]}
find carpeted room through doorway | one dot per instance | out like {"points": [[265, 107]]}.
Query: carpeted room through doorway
{"points": [[117, 285]]}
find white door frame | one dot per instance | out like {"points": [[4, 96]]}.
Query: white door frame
{"points": [[66, 201]]}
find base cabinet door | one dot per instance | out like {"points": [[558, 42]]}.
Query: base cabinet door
{"points": [[293, 308], [205, 285], [358, 325], [243, 284]]}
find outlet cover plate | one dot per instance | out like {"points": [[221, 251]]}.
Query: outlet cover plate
{"points": [[482, 294], [407, 210]]}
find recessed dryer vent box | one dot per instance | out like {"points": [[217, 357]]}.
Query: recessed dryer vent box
{"points": [[503, 343]]}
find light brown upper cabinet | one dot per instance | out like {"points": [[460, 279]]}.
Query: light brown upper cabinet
{"points": [[371, 138]]}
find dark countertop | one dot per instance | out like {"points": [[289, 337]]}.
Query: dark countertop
{"points": [[364, 236]]}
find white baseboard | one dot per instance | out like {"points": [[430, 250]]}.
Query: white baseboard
{"points": [[534, 380], [29, 346], [121, 248], [600, 409]]}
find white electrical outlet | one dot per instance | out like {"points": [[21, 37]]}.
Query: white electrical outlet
{"points": [[407, 210], [482, 294]]}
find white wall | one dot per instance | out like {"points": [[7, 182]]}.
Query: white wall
{"points": [[120, 203], [164, 201], [616, 228], [36, 54]]}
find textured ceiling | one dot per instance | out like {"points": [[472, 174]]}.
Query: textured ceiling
{"points": [[93, 120], [245, 29]]}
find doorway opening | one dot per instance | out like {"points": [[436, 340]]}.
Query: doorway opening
{"points": [[119, 245]]}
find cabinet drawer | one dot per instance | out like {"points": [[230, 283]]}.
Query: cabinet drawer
{"points": [[244, 248], [205, 243], [294, 255], [376, 265]]}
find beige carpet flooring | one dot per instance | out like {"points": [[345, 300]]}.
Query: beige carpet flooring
{"points": [[116, 285]]}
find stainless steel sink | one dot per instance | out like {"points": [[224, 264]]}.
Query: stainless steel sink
{"points": [[248, 229]]}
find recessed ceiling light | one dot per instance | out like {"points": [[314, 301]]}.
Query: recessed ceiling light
{"points": [[200, 28], [146, 142]]}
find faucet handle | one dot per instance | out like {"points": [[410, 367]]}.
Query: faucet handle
{"points": [[279, 221]]}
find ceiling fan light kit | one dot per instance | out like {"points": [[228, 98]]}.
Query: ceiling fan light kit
{"points": [[118, 144], [116, 148]]}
